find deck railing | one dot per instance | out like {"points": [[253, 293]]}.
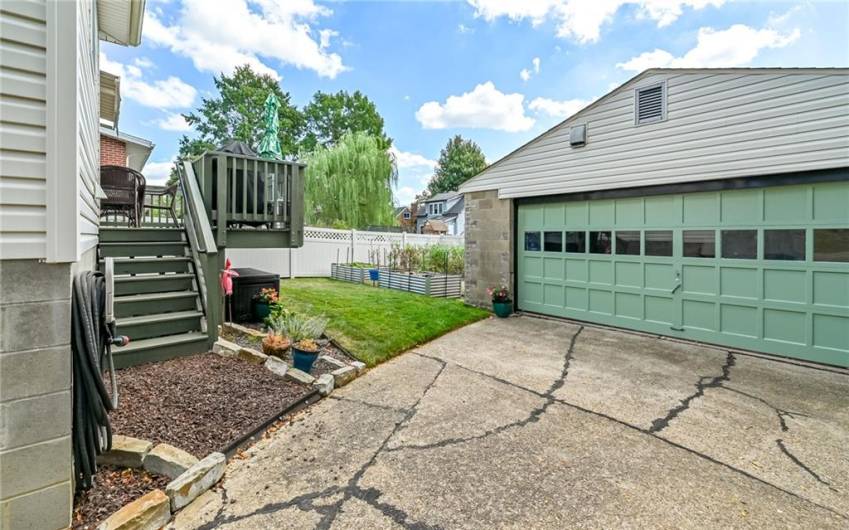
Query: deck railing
{"points": [[241, 191]]}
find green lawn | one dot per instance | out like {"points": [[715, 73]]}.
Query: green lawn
{"points": [[376, 324]]}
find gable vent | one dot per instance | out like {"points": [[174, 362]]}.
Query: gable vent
{"points": [[650, 104]]}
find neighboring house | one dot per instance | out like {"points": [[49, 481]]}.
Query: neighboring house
{"points": [[122, 149], [404, 216], [447, 208], [703, 204], [49, 223]]}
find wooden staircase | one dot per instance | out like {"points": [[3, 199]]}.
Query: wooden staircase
{"points": [[157, 300]]}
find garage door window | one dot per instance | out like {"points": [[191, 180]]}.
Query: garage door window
{"points": [[600, 242], [576, 242], [788, 245], [740, 244], [532, 241], [628, 243], [658, 242], [699, 244], [553, 242], [831, 244]]}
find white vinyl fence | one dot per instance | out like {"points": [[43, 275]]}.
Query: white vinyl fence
{"points": [[323, 246]]}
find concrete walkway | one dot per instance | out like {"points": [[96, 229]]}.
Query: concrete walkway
{"points": [[529, 424]]}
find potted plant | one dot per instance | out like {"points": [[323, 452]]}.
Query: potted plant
{"points": [[262, 302], [501, 303], [276, 342], [304, 332]]}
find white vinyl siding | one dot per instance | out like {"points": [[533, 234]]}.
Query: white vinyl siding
{"points": [[717, 125], [23, 129], [88, 109]]}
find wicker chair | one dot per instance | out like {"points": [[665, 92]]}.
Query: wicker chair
{"points": [[161, 199], [124, 189]]}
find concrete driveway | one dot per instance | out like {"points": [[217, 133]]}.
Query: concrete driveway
{"points": [[527, 423]]}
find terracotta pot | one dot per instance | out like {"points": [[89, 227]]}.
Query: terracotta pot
{"points": [[275, 345]]}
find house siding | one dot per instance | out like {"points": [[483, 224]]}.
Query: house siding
{"points": [[719, 125], [23, 121], [88, 111]]}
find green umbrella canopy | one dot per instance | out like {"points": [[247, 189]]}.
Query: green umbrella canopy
{"points": [[269, 146]]}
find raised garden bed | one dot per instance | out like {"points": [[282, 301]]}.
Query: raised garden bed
{"points": [[200, 403], [348, 273], [427, 283], [113, 488]]}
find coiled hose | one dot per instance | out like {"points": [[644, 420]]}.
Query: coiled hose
{"points": [[91, 340]]}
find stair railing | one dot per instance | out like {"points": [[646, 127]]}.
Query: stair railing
{"points": [[205, 255]]}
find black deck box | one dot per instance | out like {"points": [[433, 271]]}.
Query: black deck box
{"points": [[248, 283]]}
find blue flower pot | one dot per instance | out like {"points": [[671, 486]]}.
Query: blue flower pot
{"points": [[303, 360], [502, 309], [261, 310]]}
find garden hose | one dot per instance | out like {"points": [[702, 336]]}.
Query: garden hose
{"points": [[91, 340]]}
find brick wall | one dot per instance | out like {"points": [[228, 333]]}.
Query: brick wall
{"points": [[489, 245], [112, 152]]}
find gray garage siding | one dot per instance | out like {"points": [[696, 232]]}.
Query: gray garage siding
{"points": [[720, 124]]}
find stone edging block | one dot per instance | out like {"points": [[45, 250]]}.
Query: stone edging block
{"points": [[168, 460], [126, 452], [149, 512], [196, 480]]}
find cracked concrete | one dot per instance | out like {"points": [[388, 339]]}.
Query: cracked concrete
{"points": [[527, 423]]}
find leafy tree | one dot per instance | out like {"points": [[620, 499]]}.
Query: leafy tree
{"points": [[349, 185], [236, 113], [329, 117], [458, 161]]}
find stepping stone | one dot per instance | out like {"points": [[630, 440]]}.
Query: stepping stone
{"points": [[197, 479], [252, 356], [276, 365], [168, 460], [324, 383], [343, 376], [148, 512], [126, 452]]}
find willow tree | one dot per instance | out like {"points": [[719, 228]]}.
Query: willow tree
{"points": [[349, 185]]}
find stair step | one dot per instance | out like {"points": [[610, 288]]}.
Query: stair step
{"points": [[154, 303], [159, 349], [121, 235], [142, 248], [159, 283], [149, 264], [159, 324]]}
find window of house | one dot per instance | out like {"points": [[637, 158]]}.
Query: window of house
{"points": [[532, 242], [831, 244], [658, 242], [740, 244], [600, 242], [650, 104], [576, 242], [788, 245], [552, 241], [699, 244], [435, 208], [406, 215], [628, 242]]}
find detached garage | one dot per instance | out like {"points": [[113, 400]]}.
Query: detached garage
{"points": [[710, 205]]}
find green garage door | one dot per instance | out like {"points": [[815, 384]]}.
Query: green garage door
{"points": [[761, 269]]}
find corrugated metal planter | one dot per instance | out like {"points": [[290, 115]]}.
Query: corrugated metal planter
{"points": [[347, 273], [426, 283]]}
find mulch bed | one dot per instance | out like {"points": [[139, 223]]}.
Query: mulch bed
{"points": [[113, 488], [200, 403]]}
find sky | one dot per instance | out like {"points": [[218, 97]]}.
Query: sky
{"points": [[497, 72]]}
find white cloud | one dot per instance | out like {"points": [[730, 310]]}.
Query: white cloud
{"points": [[219, 36], [558, 109], [582, 20], [174, 122], [404, 196], [485, 107], [736, 46], [525, 74], [164, 93], [157, 173], [536, 62], [405, 159], [462, 28]]}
